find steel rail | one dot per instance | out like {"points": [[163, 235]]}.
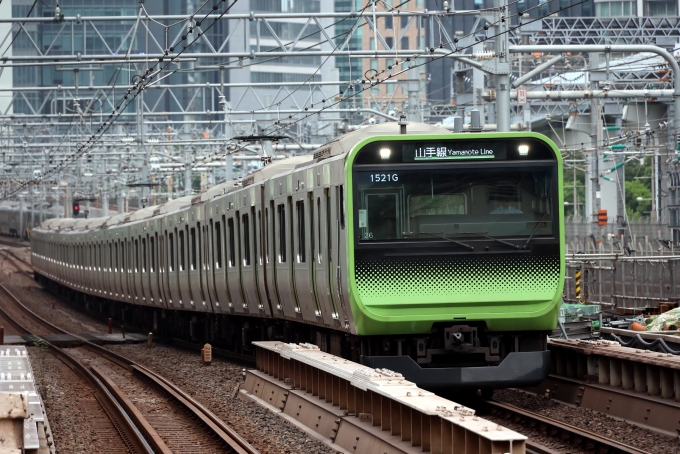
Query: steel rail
{"points": [[235, 442], [590, 440], [11, 258], [128, 432]]}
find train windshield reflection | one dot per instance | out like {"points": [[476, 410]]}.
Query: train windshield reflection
{"points": [[425, 204]]}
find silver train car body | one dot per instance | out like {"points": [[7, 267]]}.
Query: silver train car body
{"points": [[171, 256]]}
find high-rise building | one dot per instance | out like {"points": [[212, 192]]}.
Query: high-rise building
{"points": [[398, 32]]}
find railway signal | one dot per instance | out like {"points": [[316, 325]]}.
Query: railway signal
{"points": [[76, 209]]}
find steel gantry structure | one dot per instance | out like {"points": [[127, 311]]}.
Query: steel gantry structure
{"points": [[189, 103]]}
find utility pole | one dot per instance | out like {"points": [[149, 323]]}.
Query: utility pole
{"points": [[187, 171], [21, 216], [592, 161], [502, 74], [105, 198]]}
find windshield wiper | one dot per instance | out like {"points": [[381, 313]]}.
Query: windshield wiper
{"points": [[472, 248], [507, 243], [538, 223]]}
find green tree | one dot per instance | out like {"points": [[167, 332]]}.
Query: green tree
{"points": [[638, 184]]}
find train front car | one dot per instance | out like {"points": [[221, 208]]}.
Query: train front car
{"points": [[456, 255]]}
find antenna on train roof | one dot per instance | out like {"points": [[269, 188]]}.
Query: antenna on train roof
{"points": [[402, 124]]}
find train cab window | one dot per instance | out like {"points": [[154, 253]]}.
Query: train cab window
{"points": [[181, 250], [193, 249], [232, 243], [246, 239], [453, 202], [171, 251], [218, 246], [281, 214], [300, 211]]}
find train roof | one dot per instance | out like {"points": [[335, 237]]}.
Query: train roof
{"points": [[340, 146], [277, 168], [344, 144]]}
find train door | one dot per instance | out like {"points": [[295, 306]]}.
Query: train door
{"points": [[182, 269], [269, 227], [174, 268], [283, 255], [161, 239], [116, 266], [125, 267], [249, 249], [204, 262], [221, 263], [109, 265], [153, 266], [157, 264], [321, 272], [144, 266], [101, 268], [261, 241], [302, 251], [194, 236], [137, 268], [210, 253], [337, 251], [233, 263]]}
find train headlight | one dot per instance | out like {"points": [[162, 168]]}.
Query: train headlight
{"points": [[523, 150], [385, 153]]}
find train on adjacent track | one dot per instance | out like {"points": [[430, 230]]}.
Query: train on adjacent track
{"points": [[434, 254]]}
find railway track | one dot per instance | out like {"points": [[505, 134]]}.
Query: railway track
{"points": [[574, 437], [21, 265], [190, 428]]}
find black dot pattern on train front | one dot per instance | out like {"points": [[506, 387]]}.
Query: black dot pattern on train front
{"points": [[442, 276]]}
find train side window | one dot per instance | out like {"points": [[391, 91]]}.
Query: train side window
{"points": [[116, 263], [181, 250], [153, 254], [281, 213], [99, 257], [246, 239], [193, 248], [232, 252], [110, 257], [300, 210], [218, 245], [171, 243]]}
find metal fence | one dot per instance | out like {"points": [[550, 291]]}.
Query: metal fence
{"points": [[640, 273]]}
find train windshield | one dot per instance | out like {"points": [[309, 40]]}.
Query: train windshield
{"points": [[409, 204]]}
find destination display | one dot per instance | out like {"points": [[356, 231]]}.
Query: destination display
{"points": [[453, 151]]}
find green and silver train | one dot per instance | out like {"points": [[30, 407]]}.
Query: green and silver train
{"points": [[437, 255]]}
